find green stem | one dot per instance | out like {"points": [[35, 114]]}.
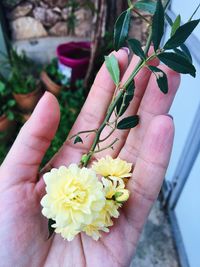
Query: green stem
{"points": [[83, 132], [141, 16], [115, 101], [104, 148], [103, 125]]}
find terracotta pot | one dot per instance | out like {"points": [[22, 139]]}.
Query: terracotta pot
{"points": [[5, 123], [25, 117], [27, 102], [50, 85], [6, 128]]}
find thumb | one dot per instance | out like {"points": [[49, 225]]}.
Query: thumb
{"points": [[23, 160]]}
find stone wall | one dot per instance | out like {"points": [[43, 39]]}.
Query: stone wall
{"points": [[34, 19]]}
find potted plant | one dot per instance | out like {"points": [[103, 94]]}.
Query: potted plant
{"points": [[24, 81], [7, 104], [52, 78]]}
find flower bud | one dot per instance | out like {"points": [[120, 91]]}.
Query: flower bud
{"points": [[84, 158], [121, 195]]}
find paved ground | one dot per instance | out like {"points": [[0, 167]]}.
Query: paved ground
{"points": [[156, 248]]}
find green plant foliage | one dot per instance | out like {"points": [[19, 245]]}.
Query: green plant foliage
{"points": [[7, 103], [181, 34], [176, 25], [54, 73], [113, 68], [161, 79], [128, 123], [136, 47], [178, 63], [146, 6], [183, 46], [73, 6], [124, 102], [24, 75], [186, 51], [78, 139], [158, 25], [121, 29]]}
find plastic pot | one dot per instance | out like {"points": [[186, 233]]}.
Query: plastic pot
{"points": [[74, 59], [49, 84]]}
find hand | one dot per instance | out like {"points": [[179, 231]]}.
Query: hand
{"points": [[24, 230]]}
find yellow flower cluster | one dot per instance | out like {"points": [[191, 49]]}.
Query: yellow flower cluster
{"points": [[79, 202]]}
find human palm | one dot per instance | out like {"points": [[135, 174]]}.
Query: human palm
{"points": [[24, 230]]}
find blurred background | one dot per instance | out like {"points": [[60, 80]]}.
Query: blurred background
{"points": [[59, 46]]}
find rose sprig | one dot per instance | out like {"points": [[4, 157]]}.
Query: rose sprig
{"points": [[85, 199], [174, 53]]}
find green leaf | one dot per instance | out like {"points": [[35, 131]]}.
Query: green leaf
{"points": [[78, 140], [10, 115], [169, 20], [181, 53], [146, 6], [128, 123], [113, 68], [126, 99], [50, 228], [161, 78], [137, 48], [177, 63], [186, 51], [121, 29], [176, 25], [11, 103], [181, 34], [158, 25], [2, 86]]}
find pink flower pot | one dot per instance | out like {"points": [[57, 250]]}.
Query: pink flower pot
{"points": [[74, 59]]}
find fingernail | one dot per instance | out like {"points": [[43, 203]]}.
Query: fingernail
{"points": [[170, 116], [126, 49]]}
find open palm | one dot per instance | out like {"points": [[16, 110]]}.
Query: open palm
{"points": [[24, 230]]}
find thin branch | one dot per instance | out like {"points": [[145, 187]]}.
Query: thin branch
{"points": [[104, 148]]}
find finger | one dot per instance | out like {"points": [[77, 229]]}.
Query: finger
{"points": [[153, 103], [92, 113], [141, 81], [149, 170], [25, 156]]}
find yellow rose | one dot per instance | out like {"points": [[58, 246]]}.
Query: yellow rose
{"points": [[74, 197], [103, 221], [109, 167]]}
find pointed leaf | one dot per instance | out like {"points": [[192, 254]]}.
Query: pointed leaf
{"points": [[50, 228], [113, 68], [161, 78], [158, 25], [169, 20], [176, 25], [78, 140], [177, 63], [136, 47], [186, 51], [128, 123], [181, 34], [121, 29], [126, 99], [146, 6]]}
